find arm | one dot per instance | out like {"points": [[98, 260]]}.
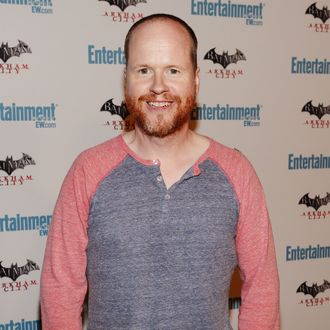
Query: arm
{"points": [[63, 280], [256, 258]]}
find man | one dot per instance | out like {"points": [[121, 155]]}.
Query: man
{"points": [[154, 221]]}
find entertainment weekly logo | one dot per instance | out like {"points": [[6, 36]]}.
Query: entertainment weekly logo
{"points": [[225, 65], [22, 324], [305, 253], [252, 14], [249, 116], [127, 10], [43, 116], [37, 6], [21, 222], [20, 276], [315, 208], [318, 115], [313, 294], [117, 116], [307, 66], [9, 55], [319, 21], [104, 55], [308, 162], [9, 165]]}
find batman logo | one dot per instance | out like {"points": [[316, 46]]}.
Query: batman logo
{"points": [[318, 111], [14, 271], [9, 165], [316, 202], [323, 14], [7, 52], [314, 289], [120, 110], [224, 59], [123, 4]]}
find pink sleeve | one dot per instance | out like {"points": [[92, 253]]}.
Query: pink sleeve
{"points": [[256, 257], [63, 280]]}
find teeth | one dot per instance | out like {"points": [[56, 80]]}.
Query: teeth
{"points": [[159, 104]]}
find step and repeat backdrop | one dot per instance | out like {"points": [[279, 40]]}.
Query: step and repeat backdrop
{"points": [[265, 90]]}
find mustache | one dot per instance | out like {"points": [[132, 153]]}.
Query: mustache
{"points": [[164, 97]]}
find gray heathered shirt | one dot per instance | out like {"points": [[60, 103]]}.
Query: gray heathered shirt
{"points": [[158, 258]]}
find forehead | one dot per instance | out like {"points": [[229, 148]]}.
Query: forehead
{"points": [[161, 37]]}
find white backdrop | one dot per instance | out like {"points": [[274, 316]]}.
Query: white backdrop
{"points": [[50, 101]]}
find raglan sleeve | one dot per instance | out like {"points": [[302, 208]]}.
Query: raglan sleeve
{"points": [[256, 257], [63, 277]]}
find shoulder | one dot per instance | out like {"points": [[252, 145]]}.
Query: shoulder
{"points": [[106, 152], [94, 163], [236, 167], [228, 158]]}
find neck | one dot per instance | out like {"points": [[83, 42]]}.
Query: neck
{"points": [[176, 152], [150, 147]]}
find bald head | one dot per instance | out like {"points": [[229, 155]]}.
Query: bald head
{"points": [[181, 25]]}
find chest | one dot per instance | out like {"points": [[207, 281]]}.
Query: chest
{"points": [[134, 216]]}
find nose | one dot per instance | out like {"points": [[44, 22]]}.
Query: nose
{"points": [[158, 85]]}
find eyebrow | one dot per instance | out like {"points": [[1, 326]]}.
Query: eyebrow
{"points": [[166, 67]]}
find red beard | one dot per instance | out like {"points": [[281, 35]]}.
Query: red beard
{"points": [[165, 123]]}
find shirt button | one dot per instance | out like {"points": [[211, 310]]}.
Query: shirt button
{"points": [[159, 178], [167, 196], [155, 162]]}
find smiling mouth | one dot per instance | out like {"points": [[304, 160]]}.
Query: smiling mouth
{"points": [[159, 104]]}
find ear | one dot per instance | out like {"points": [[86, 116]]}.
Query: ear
{"points": [[197, 80], [124, 80]]}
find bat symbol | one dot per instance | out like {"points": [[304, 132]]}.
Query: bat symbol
{"points": [[318, 111], [316, 202], [9, 165], [120, 110], [323, 14], [14, 272], [313, 290], [7, 52], [123, 4], [224, 59]]}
